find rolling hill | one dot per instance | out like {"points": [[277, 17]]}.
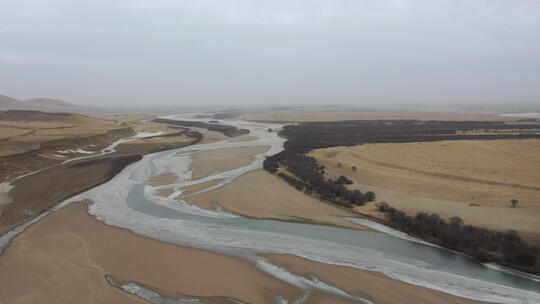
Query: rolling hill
{"points": [[41, 104]]}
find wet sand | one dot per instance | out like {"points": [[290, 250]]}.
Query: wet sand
{"points": [[165, 192], [209, 136], [245, 137], [163, 179], [208, 162]]}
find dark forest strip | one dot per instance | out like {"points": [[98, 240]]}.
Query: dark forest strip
{"points": [[483, 244]]}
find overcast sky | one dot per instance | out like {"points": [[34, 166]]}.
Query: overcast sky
{"points": [[271, 52]]}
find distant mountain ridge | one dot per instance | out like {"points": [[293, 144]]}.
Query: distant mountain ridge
{"points": [[42, 104]]}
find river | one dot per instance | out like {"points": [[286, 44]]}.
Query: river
{"points": [[128, 201]]}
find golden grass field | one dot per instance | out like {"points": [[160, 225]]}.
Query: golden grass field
{"points": [[472, 179]]}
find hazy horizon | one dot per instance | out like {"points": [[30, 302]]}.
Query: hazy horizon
{"points": [[367, 52]]}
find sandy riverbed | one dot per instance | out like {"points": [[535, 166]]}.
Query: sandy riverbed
{"points": [[162, 179], [259, 194], [197, 187], [64, 259], [219, 160]]}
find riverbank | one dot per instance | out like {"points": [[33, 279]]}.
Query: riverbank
{"points": [[64, 259], [19, 204]]}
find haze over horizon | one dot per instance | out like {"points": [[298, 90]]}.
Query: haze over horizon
{"points": [[271, 52]]}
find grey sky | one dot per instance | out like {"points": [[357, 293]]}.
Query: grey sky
{"points": [[276, 52]]}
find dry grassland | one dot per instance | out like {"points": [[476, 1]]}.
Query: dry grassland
{"points": [[23, 135], [472, 179]]}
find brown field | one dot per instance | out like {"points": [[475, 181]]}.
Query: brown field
{"points": [[154, 144], [31, 140], [472, 179], [64, 259], [355, 113], [27, 133], [259, 194], [219, 160]]}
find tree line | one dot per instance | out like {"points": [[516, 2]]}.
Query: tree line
{"points": [[483, 244], [308, 175]]}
